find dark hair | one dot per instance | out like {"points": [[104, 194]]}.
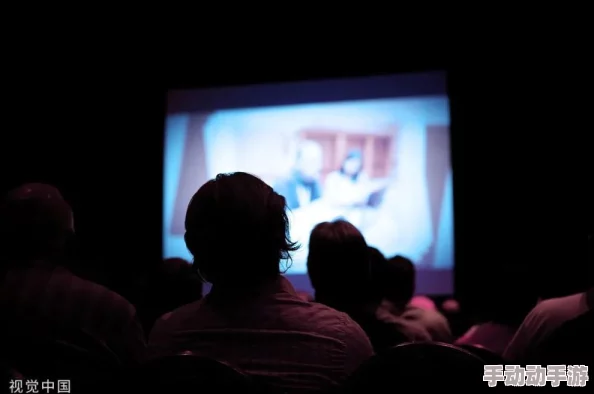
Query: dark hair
{"points": [[237, 229], [376, 258], [394, 278], [35, 222], [337, 263], [353, 154]]}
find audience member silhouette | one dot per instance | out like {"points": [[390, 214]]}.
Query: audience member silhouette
{"points": [[339, 270], [39, 296], [395, 280], [237, 229], [238, 232], [171, 284]]}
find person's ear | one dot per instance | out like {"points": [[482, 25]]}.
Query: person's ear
{"points": [[198, 261]]}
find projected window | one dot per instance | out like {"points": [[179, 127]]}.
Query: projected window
{"points": [[375, 148]]}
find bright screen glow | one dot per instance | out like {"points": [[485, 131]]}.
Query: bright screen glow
{"points": [[380, 161]]}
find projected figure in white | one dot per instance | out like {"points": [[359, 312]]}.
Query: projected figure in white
{"points": [[349, 186]]}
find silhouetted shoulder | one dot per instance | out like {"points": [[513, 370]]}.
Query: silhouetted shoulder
{"points": [[430, 320], [409, 329], [111, 302], [170, 321], [560, 309], [331, 322], [342, 327]]}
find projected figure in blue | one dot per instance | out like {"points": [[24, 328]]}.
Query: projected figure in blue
{"points": [[302, 185]]}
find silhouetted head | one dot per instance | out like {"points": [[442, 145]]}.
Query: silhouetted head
{"points": [[309, 160], [338, 261], [395, 279], [35, 223], [352, 164], [237, 229]]}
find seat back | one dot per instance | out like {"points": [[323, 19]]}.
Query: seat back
{"points": [[187, 372], [489, 357], [417, 366], [8, 373], [62, 355]]}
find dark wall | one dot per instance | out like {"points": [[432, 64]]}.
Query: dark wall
{"points": [[520, 204], [101, 143]]}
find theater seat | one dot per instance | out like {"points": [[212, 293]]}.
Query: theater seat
{"points": [[415, 366], [187, 372], [488, 357], [76, 356], [8, 373]]}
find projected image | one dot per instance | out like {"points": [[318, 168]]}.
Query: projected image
{"points": [[383, 165]]}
